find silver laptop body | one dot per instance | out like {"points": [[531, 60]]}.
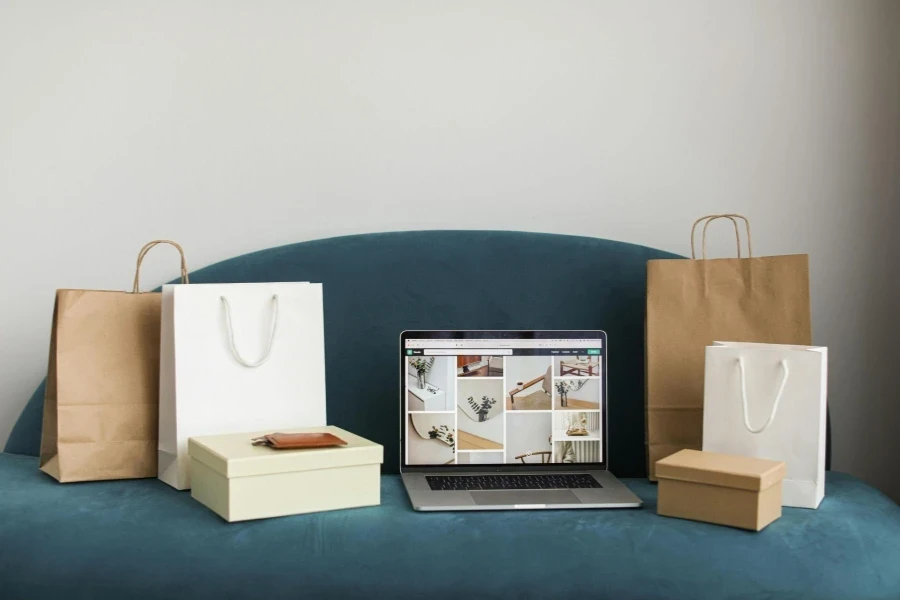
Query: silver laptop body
{"points": [[506, 420]]}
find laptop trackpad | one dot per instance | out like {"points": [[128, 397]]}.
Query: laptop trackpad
{"points": [[525, 497]]}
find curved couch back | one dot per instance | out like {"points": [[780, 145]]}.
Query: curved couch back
{"points": [[377, 285]]}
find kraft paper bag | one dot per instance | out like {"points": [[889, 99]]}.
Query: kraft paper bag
{"points": [[690, 304], [769, 401], [100, 407], [235, 358]]}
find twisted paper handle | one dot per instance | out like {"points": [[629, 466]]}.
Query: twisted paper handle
{"points": [[731, 217], [136, 289]]}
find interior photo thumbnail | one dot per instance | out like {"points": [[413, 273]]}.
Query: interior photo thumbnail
{"points": [[429, 383], [480, 414], [575, 394], [529, 383], [431, 439], [576, 366], [577, 452], [576, 425], [476, 365], [528, 437]]}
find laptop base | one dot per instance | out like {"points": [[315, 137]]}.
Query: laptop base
{"points": [[612, 494]]}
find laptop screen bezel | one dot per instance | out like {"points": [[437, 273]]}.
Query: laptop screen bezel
{"points": [[505, 334]]}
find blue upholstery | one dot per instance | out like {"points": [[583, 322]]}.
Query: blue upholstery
{"points": [[377, 285], [141, 539]]}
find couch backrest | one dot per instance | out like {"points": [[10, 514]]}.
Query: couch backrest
{"points": [[377, 285]]}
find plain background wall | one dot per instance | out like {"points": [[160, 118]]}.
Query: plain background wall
{"points": [[443, 375], [235, 126], [479, 458]]}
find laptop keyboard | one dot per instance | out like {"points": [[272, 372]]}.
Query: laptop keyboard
{"points": [[549, 481]]}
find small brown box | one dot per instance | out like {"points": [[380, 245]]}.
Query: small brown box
{"points": [[738, 491]]}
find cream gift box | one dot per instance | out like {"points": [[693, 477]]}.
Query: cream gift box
{"points": [[240, 481], [725, 489]]}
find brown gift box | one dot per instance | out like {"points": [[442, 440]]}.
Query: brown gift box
{"points": [[738, 491]]}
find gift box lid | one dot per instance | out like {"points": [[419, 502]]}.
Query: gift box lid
{"points": [[723, 470], [234, 455]]}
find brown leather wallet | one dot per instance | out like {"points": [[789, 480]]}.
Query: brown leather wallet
{"points": [[289, 441]]}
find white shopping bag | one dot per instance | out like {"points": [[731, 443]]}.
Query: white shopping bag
{"points": [[236, 358], [768, 401]]}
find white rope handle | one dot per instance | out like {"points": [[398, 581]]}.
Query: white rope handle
{"points": [[230, 329], [785, 373]]}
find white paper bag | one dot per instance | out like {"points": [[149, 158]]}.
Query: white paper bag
{"points": [[768, 401], [234, 358]]}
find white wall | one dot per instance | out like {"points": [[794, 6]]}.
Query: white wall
{"points": [[443, 375], [479, 458], [239, 126]]}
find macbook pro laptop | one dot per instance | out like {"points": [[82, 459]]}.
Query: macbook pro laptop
{"points": [[505, 420]]}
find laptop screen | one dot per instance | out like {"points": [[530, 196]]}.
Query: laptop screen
{"points": [[503, 399]]}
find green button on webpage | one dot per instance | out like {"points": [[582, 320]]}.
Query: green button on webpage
{"points": [[593, 351]]}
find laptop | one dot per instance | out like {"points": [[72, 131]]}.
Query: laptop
{"points": [[506, 420]]}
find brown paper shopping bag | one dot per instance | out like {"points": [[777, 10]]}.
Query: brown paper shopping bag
{"points": [[101, 404], [691, 304]]}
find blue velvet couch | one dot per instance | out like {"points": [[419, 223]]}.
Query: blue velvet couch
{"points": [[140, 539]]}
